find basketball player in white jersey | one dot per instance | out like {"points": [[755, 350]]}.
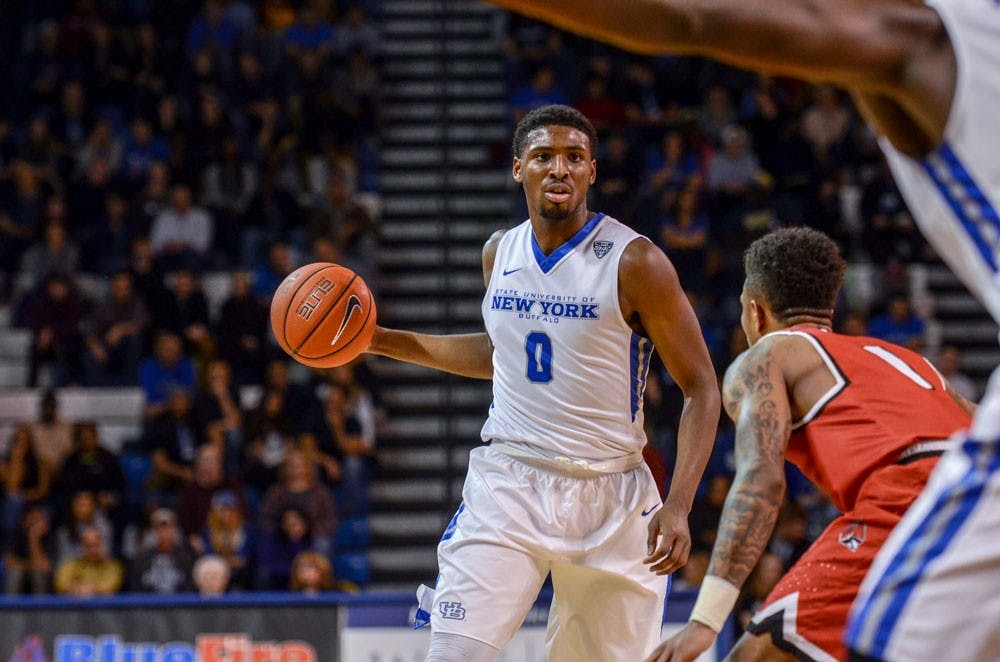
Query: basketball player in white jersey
{"points": [[927, 78], [575, 303]]}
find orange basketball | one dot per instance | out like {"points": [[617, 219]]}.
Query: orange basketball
{"points": [[323, 315]]}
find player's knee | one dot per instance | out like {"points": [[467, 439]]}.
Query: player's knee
{"points": [[446, 647]]}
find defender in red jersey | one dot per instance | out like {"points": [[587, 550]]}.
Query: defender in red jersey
{"points": [[864, 419]]}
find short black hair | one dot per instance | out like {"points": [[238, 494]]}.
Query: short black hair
{"points": [[795, 270], [553, 115]]}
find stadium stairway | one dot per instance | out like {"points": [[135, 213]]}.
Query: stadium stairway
{"points": [[444, 185], [962, 321]]}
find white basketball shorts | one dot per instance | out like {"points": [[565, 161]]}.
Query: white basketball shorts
{"points": [[517, 523]]}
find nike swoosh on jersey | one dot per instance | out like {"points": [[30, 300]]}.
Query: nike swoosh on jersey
{"points": [[646, 512], [354, 303], [507, 273]]}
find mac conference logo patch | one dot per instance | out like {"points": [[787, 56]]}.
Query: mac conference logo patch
{"points": [[601, 248]]}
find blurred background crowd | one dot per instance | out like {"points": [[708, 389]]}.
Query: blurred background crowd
{"points": [[163, 166]]}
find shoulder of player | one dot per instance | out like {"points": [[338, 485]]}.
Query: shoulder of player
{"points": [[771, 357], [491, 246], [643, 262]]}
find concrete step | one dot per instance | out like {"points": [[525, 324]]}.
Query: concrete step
{"points": [[417, 524], [13, 375], [969, 331], [429, 67], [400, 204], [438, 396], [428, 310], [407, 27], [415, 559], [429, 282], [957, 304], [452, 89], [409, 180], [390, 8], [436, 157], [432, 428], [432, 111], [425, 256], [15, 343], [437, 133]]}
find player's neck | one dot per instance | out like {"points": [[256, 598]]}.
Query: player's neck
{"points": [[814, 321], [550, 234]]}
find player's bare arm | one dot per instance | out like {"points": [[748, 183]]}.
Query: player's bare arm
{"points": [[656, 307], [755, 395], [894, 55], [469, 354]]}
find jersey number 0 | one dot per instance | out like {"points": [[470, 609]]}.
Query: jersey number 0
{"points": [[538, 347]]}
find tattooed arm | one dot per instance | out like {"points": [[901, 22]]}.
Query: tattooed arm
{"points": [[756, 398]]}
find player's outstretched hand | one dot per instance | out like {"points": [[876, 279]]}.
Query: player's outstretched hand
{"points": [[669, 541], [686, 645]]}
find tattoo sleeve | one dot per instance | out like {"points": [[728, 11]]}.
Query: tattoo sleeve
{"points": [[756, 398]]}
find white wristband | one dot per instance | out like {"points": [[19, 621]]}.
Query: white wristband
{"points": [[716, 600]]}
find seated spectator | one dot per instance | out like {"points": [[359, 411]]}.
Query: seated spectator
{"points": [[312, 573], [269, 275], [29, 553], [164, 564], [56, 253], [107, 238], [217, 405], [167, 371], [311, 32], [173, 438], [54, 316], [242, 331], [116, 328], [230, 187], [789, 542], [141, 151], [91, 573], [279, 547], [83, 515], [181, 235], [92, 468], [684, 233], [300, 488], [949, 364], [102, 145], [899, 324], [270, 437], [26, 478], [671, 165], [209, 479], [211, 575], [541, 91], [51, 436], [733, 170], [227, 535], [186, 313], [20, 218]]}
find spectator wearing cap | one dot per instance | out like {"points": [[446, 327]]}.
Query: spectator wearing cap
{"points": [[164, 564], [93, 572], [209, 480], [227, 535]]}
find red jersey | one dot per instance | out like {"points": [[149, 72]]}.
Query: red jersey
{"points": [[886, 399]]}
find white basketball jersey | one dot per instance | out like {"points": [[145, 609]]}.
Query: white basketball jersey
{"points": [[568, 372], [954, 193]]}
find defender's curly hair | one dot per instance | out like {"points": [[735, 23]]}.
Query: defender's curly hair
{"points": [[553, 115], [797, 270]]}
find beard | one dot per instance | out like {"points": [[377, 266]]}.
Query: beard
{"points": [[554, 212]]}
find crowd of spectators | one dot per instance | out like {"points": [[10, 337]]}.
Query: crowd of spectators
{"points": [[145, 145]]}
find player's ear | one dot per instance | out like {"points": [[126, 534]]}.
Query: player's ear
{"points": [[593, 170], [758, 314], [516, 170]]}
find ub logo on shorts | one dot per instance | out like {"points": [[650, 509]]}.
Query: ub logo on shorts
{"points": [[452, 610], [854, 536], [601, 248]]}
